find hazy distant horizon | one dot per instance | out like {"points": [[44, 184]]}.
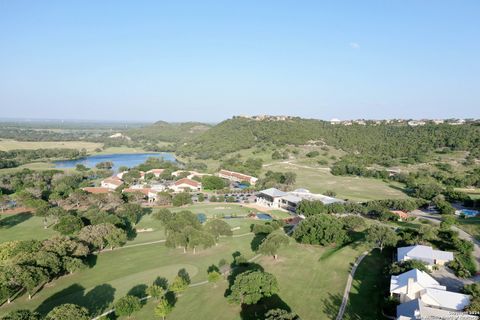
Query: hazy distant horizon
{"points": [[207, 61]]}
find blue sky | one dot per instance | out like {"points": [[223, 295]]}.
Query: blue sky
{"points": [[209, 60]]}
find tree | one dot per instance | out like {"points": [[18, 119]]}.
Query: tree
{"points": [[71, 264], [381, 236], [214, 276], [213, 183], [178, 285], [69, 224], [127, 305], [404, 266], [80, 167], [31, 277], [320, 229], [22, 315], [217, 228], [181, 199], [250, 287], [474, 306], [272, 244], [101, 235], [427, 233], [448, 220], [131, 212], [163, 308], [164, 198], [155, 291], [353, 222], [280, 314], [68, 311], [310, 208]]}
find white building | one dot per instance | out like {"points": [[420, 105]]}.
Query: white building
{"points": [[237, 176], [424, 253], [111, 183], [274, 198], [186, 184], [422, 296]]}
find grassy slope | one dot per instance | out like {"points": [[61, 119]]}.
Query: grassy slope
{"points": [[367, 287], [6, 145], [311, 283], [353, 188], [470, 225], [22, 226]]}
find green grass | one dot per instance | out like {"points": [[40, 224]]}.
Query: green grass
{"points": [[23, 226], [352, 188], [7, 144], [471, 226], [123, 149], [117, 272], [366, 295]]}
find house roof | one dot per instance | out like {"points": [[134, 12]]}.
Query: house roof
{"points": [[238, 175], [292, 198], [145, 191], [301, 190], [158, 171], [96, 190], [400, 213], [423, 253], [417, 310], [113, 180], [420, 277], [273, 192], [189, 182], [448, 299]]}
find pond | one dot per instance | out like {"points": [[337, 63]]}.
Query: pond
{"points": [[264, 216], [121, 159]]}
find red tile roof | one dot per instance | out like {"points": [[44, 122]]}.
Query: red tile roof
{"points": [[401, 214], [190, 182], [113, 180], [237, 175], [145, 191], [96, 190]]}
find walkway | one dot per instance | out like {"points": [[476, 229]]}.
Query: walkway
{"points": [[349, 286]]}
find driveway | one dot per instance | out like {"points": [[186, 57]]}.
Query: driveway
{"points": [[436, 218], [447, 278]]}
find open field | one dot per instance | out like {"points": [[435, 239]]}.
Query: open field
{"points": [[473, 193], [6, 145], [32, 166], [352, 188], [22, 226], [114, 274], [116, 150], [367, 286], [311, 282]]}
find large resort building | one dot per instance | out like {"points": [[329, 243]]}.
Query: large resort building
{"points": [[277, 199], [237, 177]]}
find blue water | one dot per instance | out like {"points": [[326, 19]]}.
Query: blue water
{"points": [[470, 213], [264, 216], [202, 218], [126, 159]]}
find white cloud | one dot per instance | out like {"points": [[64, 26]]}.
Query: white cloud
{"points": [[354, 45]]}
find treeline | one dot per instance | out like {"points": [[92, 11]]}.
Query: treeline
{"points": [[14, 158], [376, 143]]}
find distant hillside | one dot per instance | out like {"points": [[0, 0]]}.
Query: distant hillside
{"points": [[169, 132], [375, 142]]}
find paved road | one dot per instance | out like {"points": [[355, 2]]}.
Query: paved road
{"points": [[349, 286], [462, 234]]}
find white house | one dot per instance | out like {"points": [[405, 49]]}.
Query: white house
{"points": [[156, 172], [186, 184], [425, 254], [430, 297], [237, 176], [271, 198], [408, 286], [111, 183], [417, 310]]}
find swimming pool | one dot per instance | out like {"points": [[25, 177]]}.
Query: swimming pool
{"points": [[264, 216], [469, 213]]}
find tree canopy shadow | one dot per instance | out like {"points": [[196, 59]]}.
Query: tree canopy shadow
{"points": [[11, 221], [257, 241], [331, 305], [161, 282], [257, 311], [95, 301], [139, 291]]}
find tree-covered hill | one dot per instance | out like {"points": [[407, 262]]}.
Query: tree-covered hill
{"points": [[372, 142], [169, 132]]}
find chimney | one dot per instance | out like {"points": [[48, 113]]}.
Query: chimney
{"points": [[410, 288]]}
